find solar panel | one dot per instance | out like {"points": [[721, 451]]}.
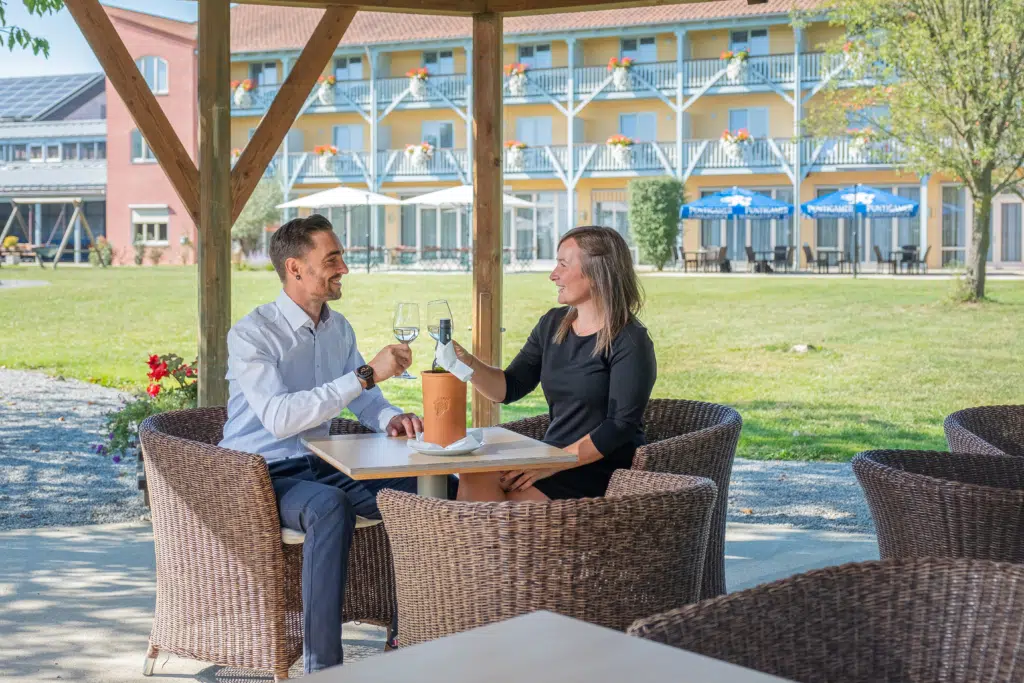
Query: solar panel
{"points": [[26, 98]]}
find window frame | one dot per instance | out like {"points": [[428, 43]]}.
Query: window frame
{"points": [[147, 155], [439, 61], [637, 53], [439, 123], [158, 63]]}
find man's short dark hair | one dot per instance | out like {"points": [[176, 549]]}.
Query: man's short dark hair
{"points": [[294, 239]]}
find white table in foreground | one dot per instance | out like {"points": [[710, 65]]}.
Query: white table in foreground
{"points": [[541, 648], [378, 456]]}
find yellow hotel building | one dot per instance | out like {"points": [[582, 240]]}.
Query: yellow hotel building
{"points": [[675, 104]]}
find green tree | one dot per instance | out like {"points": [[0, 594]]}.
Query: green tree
{"points": [[654, 217], [17, 37], [946, 90], [259, 212]]}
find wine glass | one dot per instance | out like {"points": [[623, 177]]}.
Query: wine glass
{"points": [[437, 310], [407, 328]]}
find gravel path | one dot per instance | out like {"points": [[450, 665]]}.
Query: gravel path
{"points": [[809, 495], [48, 476]]}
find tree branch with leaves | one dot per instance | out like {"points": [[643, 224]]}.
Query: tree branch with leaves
{"points": [[943, 82], [17, 37]]}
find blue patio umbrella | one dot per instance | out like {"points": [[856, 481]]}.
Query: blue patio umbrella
{"points": [[736, 202], [863, 202]]}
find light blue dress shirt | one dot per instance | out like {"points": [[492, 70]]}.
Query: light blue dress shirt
{"points": [[288, 378]]}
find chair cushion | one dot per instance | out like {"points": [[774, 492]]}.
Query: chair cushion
{"points": [[293, 537]]}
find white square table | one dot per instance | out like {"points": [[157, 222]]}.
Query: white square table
{"points": [[541, 648], [379, 456]]}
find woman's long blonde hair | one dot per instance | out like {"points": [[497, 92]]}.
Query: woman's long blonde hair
{"points": [[608, 264]]}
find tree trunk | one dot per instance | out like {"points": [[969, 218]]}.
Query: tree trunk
{"points": [[977, 255]]}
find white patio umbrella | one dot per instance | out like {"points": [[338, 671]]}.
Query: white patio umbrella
{"points": [[460, 195], [343, 196]]}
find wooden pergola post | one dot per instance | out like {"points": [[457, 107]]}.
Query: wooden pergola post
{"points": [[214, 234], [487, 207]]}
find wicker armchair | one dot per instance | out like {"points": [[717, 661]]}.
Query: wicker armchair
{"points": [[228, 589], [990, 429], [683, 437], [929, 504], [606, 560], [912, 621]]}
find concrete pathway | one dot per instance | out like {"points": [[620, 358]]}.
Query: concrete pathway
{"points": [[76, 603]]}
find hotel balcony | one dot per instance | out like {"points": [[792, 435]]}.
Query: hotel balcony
{"points": [[699, 76], [596, 160]]}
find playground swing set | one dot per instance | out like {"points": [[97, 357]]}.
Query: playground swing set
{"points": [[48, 250]]}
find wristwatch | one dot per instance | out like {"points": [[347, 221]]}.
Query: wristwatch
{"points": [[365, 373]]}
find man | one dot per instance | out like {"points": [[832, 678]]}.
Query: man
{"points": [[293, 365]]}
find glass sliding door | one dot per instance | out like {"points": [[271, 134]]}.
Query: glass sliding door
{"points": [[954, 226], [909, 229], [1010, 233]]}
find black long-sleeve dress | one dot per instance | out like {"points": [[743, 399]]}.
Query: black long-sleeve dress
{"points": [[603, 396]]}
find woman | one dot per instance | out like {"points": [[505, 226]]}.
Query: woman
{"points": [[595, 363]]}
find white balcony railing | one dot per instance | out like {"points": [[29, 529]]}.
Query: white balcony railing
{"points": [[761, 73]]}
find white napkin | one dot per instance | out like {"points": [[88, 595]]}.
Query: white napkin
{"points": [[447, 359], [474, 439]]}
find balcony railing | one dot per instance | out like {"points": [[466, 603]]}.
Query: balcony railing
{"points": [[761, 74], [706, 157]]}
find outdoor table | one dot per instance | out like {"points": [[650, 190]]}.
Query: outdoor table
{"points": [[379, 456], [541, 647]]}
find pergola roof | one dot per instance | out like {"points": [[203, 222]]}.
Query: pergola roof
{"points": [[465, 8]]}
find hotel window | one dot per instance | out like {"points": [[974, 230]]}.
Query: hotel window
{"points": [[70, 151], [53, 152], [536, 56], [954, 225], [441, 134], [640, 50], [101, 150], [87, 150], [263, 74], [3, 152], [348, 68], [535, 131], [754, 119], [35, 152], [755, 42], [19, 152], [641, 127], [441, 62], [154, 72], [149, 226], [1011, 232], [348, 138], [141, 152]]}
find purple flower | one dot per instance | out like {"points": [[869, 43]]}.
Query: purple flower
{"points": [[116, 459]]}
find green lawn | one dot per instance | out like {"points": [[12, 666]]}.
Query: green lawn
{"points": [[894, 357]]}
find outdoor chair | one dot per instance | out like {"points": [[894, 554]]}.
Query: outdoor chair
{"points": [[908, 258], [817, 262], [989, 429], [928, 620], [683, 437], [931, 504], [751, 260], [781, 258], [606, 561], [922, 263], [228, 576], [889, 263]]}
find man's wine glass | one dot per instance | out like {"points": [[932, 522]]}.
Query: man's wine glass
{"points": [[437, 310], [407, 327]]}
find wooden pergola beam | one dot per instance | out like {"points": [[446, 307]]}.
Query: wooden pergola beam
{"points": [[153, 123], [487, 205], [286, 105]]}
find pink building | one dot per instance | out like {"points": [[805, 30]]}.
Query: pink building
{"points": [[142, 206]]}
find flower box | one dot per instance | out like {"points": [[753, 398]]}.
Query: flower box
{"points": [[325, 158], [516, 75], [734, 145], [515, 156], [325, 90], [419, 156], [860, 143], [621, 148], [241, 93], [619, 69], [735, 64], [418, 82]]}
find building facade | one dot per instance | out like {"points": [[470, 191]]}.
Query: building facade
{"points": [[399, 81]]}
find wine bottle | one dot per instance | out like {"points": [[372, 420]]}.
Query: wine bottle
{"points": [[444, 335]]}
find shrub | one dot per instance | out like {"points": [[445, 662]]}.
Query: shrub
{"points": [[123, 425], [140, 253], [654, 217], [102, 253], [155, 254]]}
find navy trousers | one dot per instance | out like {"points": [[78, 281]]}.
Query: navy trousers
{"points": [[320, 501]]}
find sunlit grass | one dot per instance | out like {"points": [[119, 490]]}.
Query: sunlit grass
{"points": [[893, 357]]}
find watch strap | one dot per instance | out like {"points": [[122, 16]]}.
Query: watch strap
{"points": [[365, 373]]}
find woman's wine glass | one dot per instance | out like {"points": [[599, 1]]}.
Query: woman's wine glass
{"points": [[407, 328], [437, 311]]}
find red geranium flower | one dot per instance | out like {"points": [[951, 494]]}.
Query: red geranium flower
{"points": [[158, 372], [153, 389], [153, 360]]}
